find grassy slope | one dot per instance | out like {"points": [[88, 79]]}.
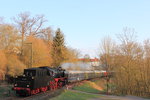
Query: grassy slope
{"points": [[86, 88], [5, 90], [94, 86], [70, 95]]}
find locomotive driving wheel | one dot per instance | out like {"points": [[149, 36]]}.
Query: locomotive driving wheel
{"points": [[60, 84], [53, 85]]}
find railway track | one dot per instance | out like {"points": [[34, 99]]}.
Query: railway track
{"points": [[45, 95], [40, 96]]}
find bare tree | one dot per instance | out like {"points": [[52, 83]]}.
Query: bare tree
{"points": [[47, 34], [28, 25], [40, 52], [106, 51], [8, 37], [129, 63]]}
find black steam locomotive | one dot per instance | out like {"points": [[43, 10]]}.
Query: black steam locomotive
{"points": [[41, 79]]}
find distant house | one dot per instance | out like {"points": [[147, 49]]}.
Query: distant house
{"points": [[83, 64], [92, 62]]}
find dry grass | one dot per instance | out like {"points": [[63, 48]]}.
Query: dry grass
{"points": [[94, 85]]}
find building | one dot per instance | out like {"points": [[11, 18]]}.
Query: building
{"points": [[92, 62]]}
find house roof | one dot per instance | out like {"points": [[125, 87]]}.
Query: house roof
{"points": [[89, 60]]}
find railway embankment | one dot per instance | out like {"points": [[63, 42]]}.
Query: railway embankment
{"points": [[92, 90], [85, 90]]}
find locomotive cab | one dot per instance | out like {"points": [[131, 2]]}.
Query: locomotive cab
{"points": [[25, 80], [23, 83]]}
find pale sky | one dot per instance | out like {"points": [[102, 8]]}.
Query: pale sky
{"points": [[86, 22]]}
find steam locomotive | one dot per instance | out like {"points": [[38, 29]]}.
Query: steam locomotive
{"points": [[41, 79]]}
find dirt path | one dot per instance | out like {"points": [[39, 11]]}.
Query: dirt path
{"points": [[106, 97], [110, 97]]}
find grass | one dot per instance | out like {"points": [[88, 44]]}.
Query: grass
{"points": [[70, 95], [93, 86], [86, 87], [5, 91]]}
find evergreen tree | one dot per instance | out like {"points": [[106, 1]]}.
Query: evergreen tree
{"points": [[58, 48]]}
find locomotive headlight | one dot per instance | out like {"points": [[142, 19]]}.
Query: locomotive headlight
{"points": [[27, 85], [15, 84]]}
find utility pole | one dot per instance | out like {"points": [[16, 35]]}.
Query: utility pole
{"points": [[107, 78], [31, 56]]}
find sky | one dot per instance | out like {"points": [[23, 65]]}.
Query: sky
{"points": [[86, 22]]}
